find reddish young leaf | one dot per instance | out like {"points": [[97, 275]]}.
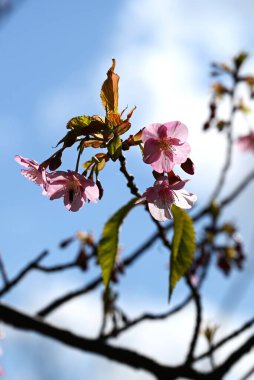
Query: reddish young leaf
{"points": [[109, 90]]}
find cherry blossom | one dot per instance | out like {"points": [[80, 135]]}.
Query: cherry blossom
{"points": [[246, 143], [163, 195], [33, 172], [73, 187], [165, 145]]}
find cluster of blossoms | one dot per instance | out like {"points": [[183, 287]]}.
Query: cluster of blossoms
{"points": [[72, 186], [164, 146]]}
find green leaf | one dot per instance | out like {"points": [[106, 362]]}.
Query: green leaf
{"points": [[108, 245], [79, 122], [86, 125], [183, 246], [115, 148]]}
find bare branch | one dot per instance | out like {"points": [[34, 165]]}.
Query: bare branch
{"points": [[134, 190], [197, 300], [96, 346], [228, 338], [237, 191], [222, 177], [22, 273], [248, 374], [147, 317], [220, 371], [55, 268], [3, 272]]}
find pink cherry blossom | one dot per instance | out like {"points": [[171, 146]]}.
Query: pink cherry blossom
{"points": [[165, 145], [73, 187], [246, 143], [33, 172], [162, 196]]}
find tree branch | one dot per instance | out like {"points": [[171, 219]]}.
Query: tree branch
{"points": [[96, 346], [147, 317], [22, 273], [3, 272], [228, 338], [197, 300]]}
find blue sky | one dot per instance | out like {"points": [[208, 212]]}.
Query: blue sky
{"points": [[54, 57]]}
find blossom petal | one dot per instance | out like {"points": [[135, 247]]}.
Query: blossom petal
{"points": [[178, 185], [92, 191], [177, 130], [152, 151], [164, 163], [184, 199], [150, 132], [33, 175], [76, 203], [26, 162], [181, 153], [160, 210], [56, 191]]}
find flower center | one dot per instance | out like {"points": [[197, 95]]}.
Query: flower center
{"points": [[166, 145], [73, 188]]}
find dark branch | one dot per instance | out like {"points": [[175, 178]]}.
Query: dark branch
{"points": [[197, 300], [147, 317], [55, 268], [237, 191], [69, 296], [248, 374], [134, 190], [96, 346], [228, 338], [3, 272], [220, 371], [22, 273]]}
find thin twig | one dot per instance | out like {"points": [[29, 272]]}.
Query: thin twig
{"points": [[228, 159], [228, 338], [3, 272], [23, 273], [237, 191], [69, 296], [248, 374], [147, 317], [134, 190], [55, 268], [197, 300]]}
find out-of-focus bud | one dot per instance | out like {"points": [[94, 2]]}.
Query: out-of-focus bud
{"points": [[240, 59], [209, 332], [206, 126], [85, 238], [228, 228], [66, 242], [188, 166], [81, 260], [219, 89], [214, 209], [221, 124]]}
